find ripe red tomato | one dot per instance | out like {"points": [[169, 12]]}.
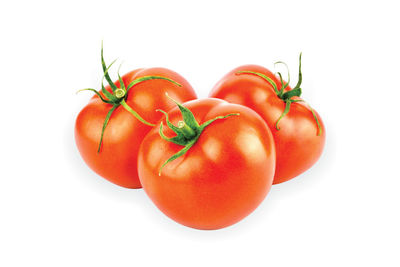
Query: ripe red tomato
{"points": [[299, 136], [225, 173], [116, 157]]}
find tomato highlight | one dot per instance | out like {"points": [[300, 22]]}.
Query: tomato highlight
{"points": [[110, 129], [298, 130], [222, 173]]}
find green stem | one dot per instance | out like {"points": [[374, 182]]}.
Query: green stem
{"points": [[283, 85], [289, 94], [286, 96], [118, 95], [177, 155], [300, 79], [105, 69], [287, 70], [109, 95], [97, 93], [105, 125], [134, 113], [186, 130], [150, 77], [316, 119], [285, 111], [265, 77]]}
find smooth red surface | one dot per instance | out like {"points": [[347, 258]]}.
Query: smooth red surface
{"points": [[297, 145], [222, 178], [117, 160]]}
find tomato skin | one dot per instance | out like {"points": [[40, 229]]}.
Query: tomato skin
{"points": [[297, 144], [117, 160], [222, 178]]}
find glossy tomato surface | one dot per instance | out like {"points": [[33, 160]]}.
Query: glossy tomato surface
{"points": [[298, 145], [222, 178], [117, 159]]}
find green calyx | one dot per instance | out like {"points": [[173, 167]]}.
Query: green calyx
{"points": [[287, 96], [118, 96], [187, 131]]}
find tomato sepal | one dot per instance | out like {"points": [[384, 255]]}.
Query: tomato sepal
{"points": [[187, 132], [118, 96], [106, 120], [287, 97], [97, 93]]}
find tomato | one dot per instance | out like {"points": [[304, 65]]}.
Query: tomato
{"points": [[298, 130], [115, 156], [208, 177]]}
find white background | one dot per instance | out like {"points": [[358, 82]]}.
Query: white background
{"points": [[56, 212]]}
